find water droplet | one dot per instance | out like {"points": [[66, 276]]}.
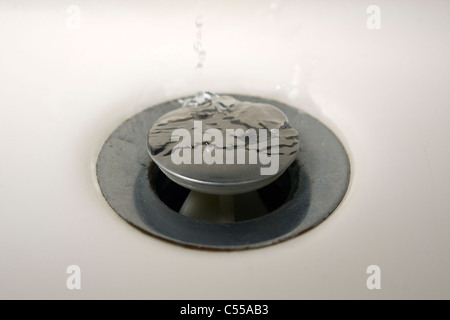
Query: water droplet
{"points": [[201, 98], [197, 46], [199, 21]]}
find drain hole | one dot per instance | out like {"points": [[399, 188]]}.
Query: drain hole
{"points": [[224, 208]]}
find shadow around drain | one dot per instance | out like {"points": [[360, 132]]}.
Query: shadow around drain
{"points": [[246, 206]]}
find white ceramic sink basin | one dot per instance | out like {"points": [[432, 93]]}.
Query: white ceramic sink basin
{"points": [[71, 72]]}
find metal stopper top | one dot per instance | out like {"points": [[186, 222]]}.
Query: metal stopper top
{"points": [[219, 145]]}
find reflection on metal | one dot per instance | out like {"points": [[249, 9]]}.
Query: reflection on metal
{"points": [[249, 144]]}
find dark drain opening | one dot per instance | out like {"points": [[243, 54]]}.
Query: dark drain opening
{"points": [[230, 208]]}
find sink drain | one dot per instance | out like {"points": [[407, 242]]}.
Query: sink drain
{"points": [[302, 197]]}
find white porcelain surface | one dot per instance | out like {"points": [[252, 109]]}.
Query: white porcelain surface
{"points": [[384, 92]]}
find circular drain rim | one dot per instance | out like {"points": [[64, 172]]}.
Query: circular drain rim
{"points": [[323, 175]]}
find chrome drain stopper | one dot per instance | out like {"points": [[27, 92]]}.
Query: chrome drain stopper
{"points": [[147, 169], [219, 145]]}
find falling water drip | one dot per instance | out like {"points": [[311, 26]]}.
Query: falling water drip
{"points": [[198, 46]]}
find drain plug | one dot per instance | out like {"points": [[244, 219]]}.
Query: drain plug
{"points": [[227, 146], [176, 198], [223, 150]]}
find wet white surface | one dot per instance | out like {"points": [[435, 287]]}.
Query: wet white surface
{"points": [[63, 89]]}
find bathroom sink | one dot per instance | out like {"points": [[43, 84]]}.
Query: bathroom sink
{"points": [[72, 73]]}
